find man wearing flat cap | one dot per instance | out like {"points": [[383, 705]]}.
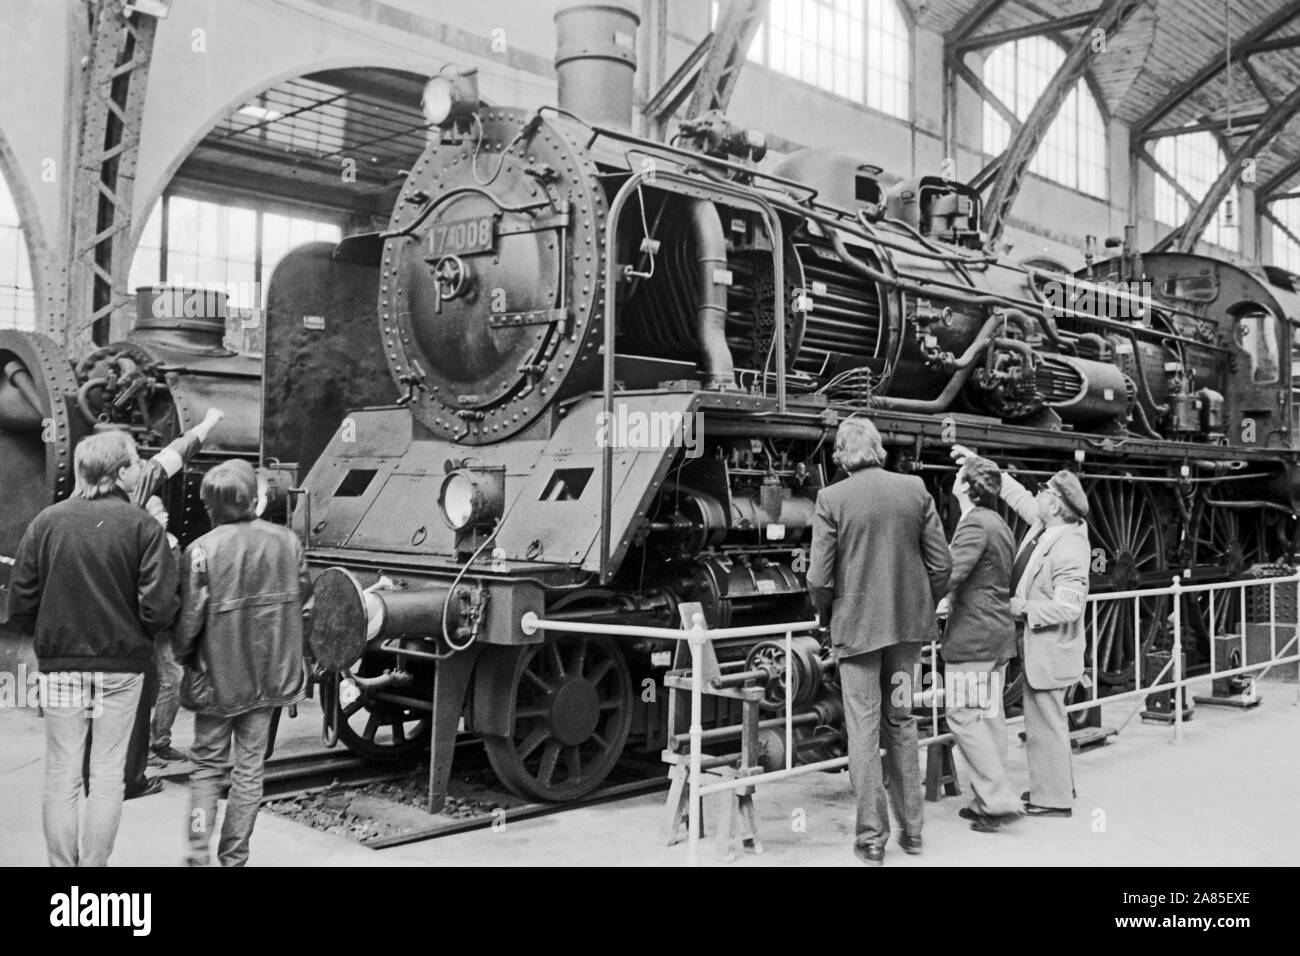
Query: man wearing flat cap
{"points": [[1049, 589]]}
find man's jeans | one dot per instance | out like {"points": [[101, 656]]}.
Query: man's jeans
{"points": [[112, 711], [214, 740], [169, 694]]}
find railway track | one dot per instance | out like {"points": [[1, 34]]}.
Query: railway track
{"points": [[381, 806], [291, 776]]}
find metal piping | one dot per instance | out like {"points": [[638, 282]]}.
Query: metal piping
{"points": [[711, 315]]}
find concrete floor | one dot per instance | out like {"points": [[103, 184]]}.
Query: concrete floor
{"points": [[1227, 797]]}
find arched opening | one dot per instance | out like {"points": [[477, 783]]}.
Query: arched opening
{"points": [[311, 158]]}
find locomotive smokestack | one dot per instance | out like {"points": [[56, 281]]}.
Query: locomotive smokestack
{"points": [[595, 59]]}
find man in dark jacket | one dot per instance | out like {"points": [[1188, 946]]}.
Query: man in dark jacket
{"points": [[246, 601], [95, 581], [978, 641], [162, 679], [876, 543]]}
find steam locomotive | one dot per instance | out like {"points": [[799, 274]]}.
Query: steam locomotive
{"points": [[620, 366], [617, 368]]}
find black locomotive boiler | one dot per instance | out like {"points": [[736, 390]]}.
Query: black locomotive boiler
{"points": [[619, 366]]}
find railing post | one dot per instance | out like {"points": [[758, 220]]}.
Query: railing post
{"points": [[695, 638], [1296, 638], [789, 700], [1178, 660]]}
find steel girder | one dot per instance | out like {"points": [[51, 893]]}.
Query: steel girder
{"points": [[1110, 17], [1183, 239], [103, 180], [1253, 41], [709, 73]]}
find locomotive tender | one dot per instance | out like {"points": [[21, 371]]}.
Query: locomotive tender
{"points": [[553, 289]]}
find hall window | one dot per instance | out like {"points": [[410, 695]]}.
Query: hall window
{"points": [[1286, 248], [17, 301], [1073, 151], [1194, 160], [207, 243], [858, 49]]}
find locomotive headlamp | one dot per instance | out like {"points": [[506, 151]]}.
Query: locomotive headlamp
{"points": [[450, 97], [472, 497]]}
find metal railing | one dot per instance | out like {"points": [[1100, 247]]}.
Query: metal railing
{"points": [[698, 634]]}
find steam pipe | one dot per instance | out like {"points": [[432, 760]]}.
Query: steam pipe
{"points": [[1143, 423], [711, 317], [965, 366]]}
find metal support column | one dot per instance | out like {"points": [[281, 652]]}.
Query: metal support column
{"points": [[104, 174]]}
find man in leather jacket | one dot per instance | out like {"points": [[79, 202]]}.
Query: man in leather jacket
{"points": [[246, 604]]}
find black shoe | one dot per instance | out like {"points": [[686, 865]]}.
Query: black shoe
{"points": [[870, 855], [1033, 810], [152, 786], [966, 813], [911, 844], [169, 754], [986, 825]]}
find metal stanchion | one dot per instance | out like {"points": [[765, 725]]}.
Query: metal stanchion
{"points": [[696, 641], [1178, 660], [789, 701]]}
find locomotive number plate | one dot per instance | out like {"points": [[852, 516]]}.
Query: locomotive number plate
{"points": [[463, 237]]}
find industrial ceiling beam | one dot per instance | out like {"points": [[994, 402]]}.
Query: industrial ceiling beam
{"points": [[738, 23], [676, 88], [976, 18], [986, 94], [1184, 238], [1159, 168], [1250, 42], [708, 74], [1110, 17], [1286, 230], [1212, 126], [1269, 189], [1043, 28], [112, 97]]}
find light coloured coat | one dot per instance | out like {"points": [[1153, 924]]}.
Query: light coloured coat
{"points": [[1055, 597]]}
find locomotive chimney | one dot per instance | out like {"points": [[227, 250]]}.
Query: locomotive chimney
{"points": [[595, 59]]}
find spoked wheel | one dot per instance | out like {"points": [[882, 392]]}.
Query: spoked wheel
{"points": [[1225, 542], [1127, 528], [379, 730], [572, 705]]}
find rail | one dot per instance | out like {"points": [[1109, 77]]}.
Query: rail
{"points": [[697, 635]]}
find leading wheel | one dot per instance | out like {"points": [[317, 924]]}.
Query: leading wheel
{"points": [[572, 704], [380, 730]]}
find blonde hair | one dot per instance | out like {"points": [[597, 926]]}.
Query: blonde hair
{"points": [[858, 445], [97, 461]]}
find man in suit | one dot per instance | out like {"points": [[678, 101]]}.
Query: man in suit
{"points": [[876, 542], [1049, 585], [978, 641]]}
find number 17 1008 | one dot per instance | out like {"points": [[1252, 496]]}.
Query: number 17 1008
{"points": [[463, 236]]}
